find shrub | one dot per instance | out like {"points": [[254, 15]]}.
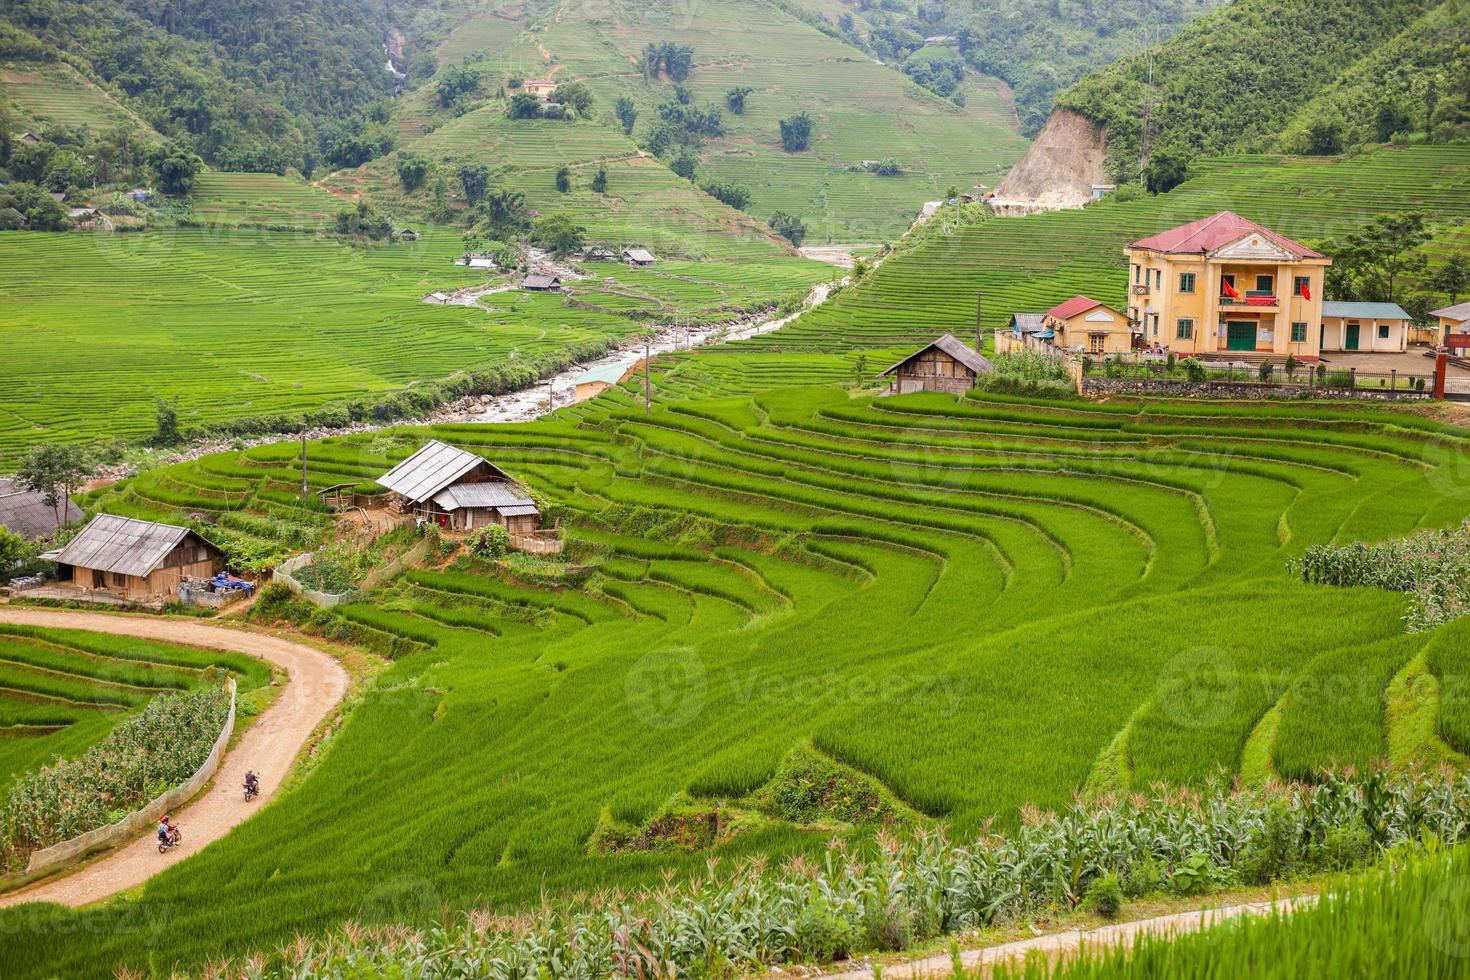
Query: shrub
{"points": [[1194, 370], [491, 542], [796, 132], [1104, 896], [822, 933], [1145, 877], [1346, 847], [1265, 371], [1274, 849]]}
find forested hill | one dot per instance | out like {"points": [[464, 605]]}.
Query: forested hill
{"points": [[1039, 47], [251, 86], [1299, 76]]}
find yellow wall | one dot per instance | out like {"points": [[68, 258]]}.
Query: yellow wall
{"points": [[1077, 331], [1334, 334], [1157, 302]]}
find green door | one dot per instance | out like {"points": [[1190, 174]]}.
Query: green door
{"points": [[1351, 341], [1240, 335]]}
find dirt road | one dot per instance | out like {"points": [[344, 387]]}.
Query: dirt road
{"points": [[315, 685]]}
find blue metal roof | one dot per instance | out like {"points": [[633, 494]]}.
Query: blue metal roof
{"points": [[1365, 311]]}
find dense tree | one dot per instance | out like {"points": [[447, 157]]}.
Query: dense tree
{"points": [[728, 192], [15, 552], [558, 233], [685, 166], [412, 171], [564, 179], [175, 167], [788, 226], [1370, 263], [1391, 118], [1324, 138], [1451, 277], [575, 96], [474, 179], [796, 132], [167, 430], [364, 221], [37, 209], [523, 105], [735, 98], [457, 82], [941, 76], [505, 211], [1166, 170], [887, 168], [626, 112], [599, 180], [55, 472], [666, 58]]}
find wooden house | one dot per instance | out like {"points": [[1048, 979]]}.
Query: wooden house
{"points": [[638, 256], [944, 365], [29, 138], [135, 559], [459, 491], [541, 283], [23, 512]]}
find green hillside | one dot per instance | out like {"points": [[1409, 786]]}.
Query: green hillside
{"points": [[1261, 74], [751, 575]]}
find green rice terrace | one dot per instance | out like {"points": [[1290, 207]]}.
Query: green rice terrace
{"points": [[940, 609], [63, 690]]}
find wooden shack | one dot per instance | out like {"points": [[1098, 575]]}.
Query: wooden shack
{"points": [[135, 559], [541, 283], [944, 365], [459, 491], [26, 513]]}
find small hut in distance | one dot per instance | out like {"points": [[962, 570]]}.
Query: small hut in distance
{"points": [[943, 365]]}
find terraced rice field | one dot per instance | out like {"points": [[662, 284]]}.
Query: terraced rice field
{"points": [[63, 690], [237, 322], [983, 603], [1030, 264], [55, 94], [262, 199]]}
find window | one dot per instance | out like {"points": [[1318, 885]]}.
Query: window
{"points": [[1265, 284], [1228, 277], [1138, 275], [1097, 343], [1301, 286], [1158, 278], [1186, 282], [1299, 332], [1383, 331], [1156, 324], [1185, 329]]}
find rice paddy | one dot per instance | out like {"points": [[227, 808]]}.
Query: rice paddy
{"points": [[981, 603]]}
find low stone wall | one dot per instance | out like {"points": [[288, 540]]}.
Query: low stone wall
{"points": [[141, 819], [1099, 385], [372, 580]]}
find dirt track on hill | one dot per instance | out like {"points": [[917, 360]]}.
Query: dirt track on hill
{"points": [[316, 684]]}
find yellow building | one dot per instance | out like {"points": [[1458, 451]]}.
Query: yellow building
{"points": [[1454, 325], [1226, 284], [1082, 323], [1377, 327]]}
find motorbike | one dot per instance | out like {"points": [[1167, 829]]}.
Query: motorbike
{"points": [[252, 790], [175, 836]]}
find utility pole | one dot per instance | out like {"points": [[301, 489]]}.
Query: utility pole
{"points": [[647, 379], [979, 300], [550, 396], [305, 492]]}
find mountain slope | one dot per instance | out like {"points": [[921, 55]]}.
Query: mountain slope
{"points": [[1258, 73]]}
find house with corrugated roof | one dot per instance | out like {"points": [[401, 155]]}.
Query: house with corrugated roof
{"points": [[1454, 327], [133, 559], [26, 513], [638, 256], [946, 364], [1227, 284], [459, 491]]}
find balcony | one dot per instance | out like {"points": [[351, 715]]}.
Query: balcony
{"points": [[1140, 289], [1265, 302]]}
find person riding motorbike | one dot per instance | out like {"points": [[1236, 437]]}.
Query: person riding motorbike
{"points": [[252, 783], [168, 831]]}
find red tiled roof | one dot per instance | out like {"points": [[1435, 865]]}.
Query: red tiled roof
{"points": [[1072, 307], [1217, 231]]}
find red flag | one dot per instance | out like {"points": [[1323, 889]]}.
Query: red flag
{"points": [[1306, 291], [1228, 289]]}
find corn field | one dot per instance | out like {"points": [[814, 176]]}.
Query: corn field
{"points": [[1432, 565], [160, 747], [905, 891]]}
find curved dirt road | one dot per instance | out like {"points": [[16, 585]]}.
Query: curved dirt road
{"points": [[316, 683]]}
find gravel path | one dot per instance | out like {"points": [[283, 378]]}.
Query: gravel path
{"points": [[1062, 944], [315, 685]]}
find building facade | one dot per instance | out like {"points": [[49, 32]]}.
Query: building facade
{"points": [[1376, 327], [1083, 324], [137, 560], [1224, 284], [946, 365]]}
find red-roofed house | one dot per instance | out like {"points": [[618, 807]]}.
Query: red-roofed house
{"points": [[1083, 322], [1225, 283]]}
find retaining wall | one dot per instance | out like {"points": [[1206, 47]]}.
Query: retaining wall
{"points": [[143, 818], [1094, 385]]}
